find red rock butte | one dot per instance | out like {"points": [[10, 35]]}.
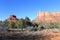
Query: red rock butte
{"points": [[12, 18], [47, 17]]}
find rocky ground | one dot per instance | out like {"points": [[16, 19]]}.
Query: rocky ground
{"points": [[38, 35]]}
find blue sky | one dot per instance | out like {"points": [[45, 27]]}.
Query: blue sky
{"points": [[22, 8]]}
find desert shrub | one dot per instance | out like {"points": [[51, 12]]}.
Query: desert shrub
{"points": [[40, 25], [48, 25]]}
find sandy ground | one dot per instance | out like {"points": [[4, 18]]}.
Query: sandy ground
{"points": [[54, 35]]}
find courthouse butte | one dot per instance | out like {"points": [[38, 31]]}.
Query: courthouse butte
{"points": [[47, 17]]}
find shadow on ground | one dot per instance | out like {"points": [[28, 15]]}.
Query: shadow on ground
{"points": [[23, 36]]}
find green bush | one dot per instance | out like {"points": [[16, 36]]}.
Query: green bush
{"points": [[49, 25]]}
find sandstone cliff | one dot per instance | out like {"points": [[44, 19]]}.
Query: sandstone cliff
{"points": [[47, 17], [12, 18]]}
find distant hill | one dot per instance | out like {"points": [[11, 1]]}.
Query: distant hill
{"points": [[47, 17], [12, 18]]}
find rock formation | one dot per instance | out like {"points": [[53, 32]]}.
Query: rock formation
{"points": [[12, 18], [47, 17]]}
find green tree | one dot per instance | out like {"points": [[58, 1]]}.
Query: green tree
{"points": [[6, 23], [11, 25], [27, 21], [20, 23]]}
